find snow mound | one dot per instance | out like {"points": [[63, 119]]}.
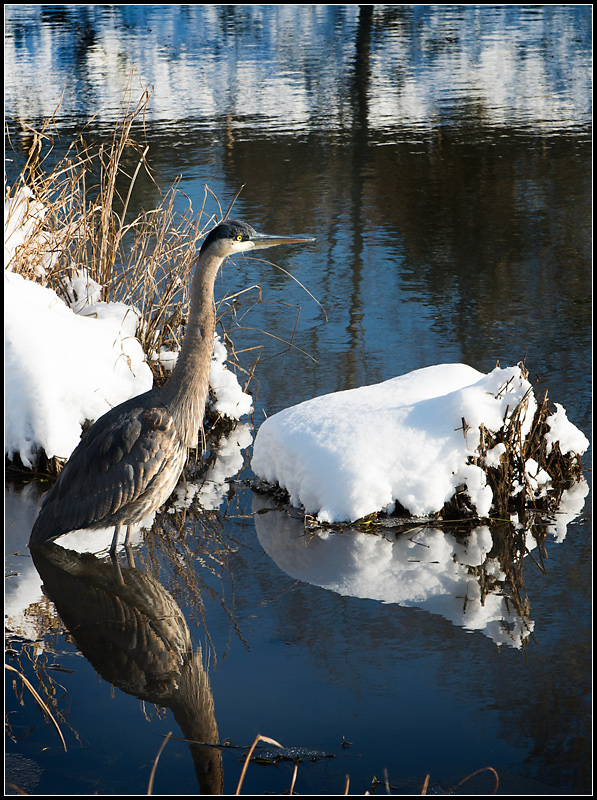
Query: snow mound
{"points": [[416, 440]]}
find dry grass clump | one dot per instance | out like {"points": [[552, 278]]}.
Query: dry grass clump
{"points": [[80, 224], [513, 492]]}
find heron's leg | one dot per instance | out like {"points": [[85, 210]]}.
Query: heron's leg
{"points": [[114, 556], [127, 538], [127, 546], [114, 544]]}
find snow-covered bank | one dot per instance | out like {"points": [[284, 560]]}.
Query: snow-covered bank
{"points": [[416, 440], [64, 368], [69, 363]]}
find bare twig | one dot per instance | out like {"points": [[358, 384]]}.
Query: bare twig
{"points": [[235, 198]]}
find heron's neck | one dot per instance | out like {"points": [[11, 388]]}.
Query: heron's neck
{"points": [[185, 393]]}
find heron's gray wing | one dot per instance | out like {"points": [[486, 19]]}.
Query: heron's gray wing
{"points": [[116, 462]]}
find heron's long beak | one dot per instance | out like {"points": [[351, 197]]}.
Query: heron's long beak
{"points": [[262, 240]]}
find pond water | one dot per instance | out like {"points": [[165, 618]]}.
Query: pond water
{"points": [[441, 156]]}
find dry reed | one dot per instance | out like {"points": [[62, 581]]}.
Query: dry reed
{"points": [[39, 701], [155, 764], [85, 222], [258, 738]]}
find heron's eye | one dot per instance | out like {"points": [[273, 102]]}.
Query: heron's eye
{"points": [[239, 238]]}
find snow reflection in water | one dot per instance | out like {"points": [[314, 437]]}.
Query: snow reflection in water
{"points": [[458, 576]]}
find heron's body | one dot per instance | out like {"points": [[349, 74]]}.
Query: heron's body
{"points": [[123, 469], [129, 461]]}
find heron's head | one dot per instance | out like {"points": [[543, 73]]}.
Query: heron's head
{"points": [[233, 236]]}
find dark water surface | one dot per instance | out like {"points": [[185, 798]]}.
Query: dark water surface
{"points": [[442, 158]]}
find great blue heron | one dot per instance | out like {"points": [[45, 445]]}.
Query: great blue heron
{"points": [[129, 461]]}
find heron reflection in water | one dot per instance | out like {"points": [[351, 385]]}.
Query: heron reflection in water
{"points": [[129, 461]]}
